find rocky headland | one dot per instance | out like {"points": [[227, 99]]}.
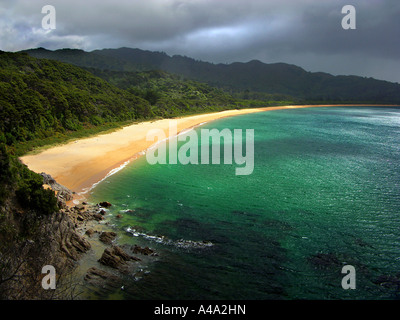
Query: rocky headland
{"points": [[64, 239], [91, 229]]}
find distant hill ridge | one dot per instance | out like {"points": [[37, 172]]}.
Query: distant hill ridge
{"points": [[253, 76]]}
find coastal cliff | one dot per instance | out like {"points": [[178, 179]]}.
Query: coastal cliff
{"points": [[59, 236], [32, 239]]}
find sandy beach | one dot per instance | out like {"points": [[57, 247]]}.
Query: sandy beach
{"points": [[81, 163]]}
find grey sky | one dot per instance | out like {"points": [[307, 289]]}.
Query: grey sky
{"points": [[307, 33]]}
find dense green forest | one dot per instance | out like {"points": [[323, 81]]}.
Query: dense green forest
{"points": [[172, 95], [41, 98], [168, 94], [27, 185]]}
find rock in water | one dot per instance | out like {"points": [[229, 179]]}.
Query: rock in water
{"points": [[116, 257], [107, 237], [97, 217], [105, 204], [74, 245], [145, 251], [89, 232], [102, 279]]}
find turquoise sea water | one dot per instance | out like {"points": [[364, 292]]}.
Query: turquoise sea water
{"points": [[324, 193]]}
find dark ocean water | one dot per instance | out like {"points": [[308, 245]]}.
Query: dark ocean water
{"points": [[324, 193]]}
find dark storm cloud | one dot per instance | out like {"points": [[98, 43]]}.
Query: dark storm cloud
{"points": [[303, 32]]}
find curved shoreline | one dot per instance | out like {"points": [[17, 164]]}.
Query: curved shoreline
{"points": [[81, 164]]}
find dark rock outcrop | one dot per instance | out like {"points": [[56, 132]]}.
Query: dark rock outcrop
{"points": [[389, 282], [97, 216], [63, 194], [107, 237], [145, 251], [73, 245], [105, 204], [117, 258], [325, 261], [101, 278], [89, 232]]}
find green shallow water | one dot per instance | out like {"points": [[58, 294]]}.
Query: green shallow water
{"points": [[324, 193]]}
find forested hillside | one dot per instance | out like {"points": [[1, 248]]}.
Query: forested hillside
{"points": [[171, 95], [244, 80], [40, 98]]}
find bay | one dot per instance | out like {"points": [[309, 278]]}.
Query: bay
{"points": [[324, 193]]}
